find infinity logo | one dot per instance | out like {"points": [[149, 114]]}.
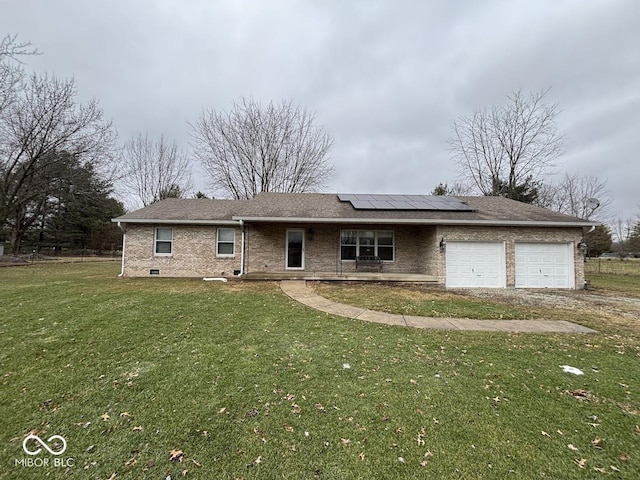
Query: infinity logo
{"points": [[37, 439]]}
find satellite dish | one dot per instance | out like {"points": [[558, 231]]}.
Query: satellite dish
{"points": [[593, 203]]}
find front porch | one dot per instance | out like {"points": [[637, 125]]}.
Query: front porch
{"points": [[343, 277]]}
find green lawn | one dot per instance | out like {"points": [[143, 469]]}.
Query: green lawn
{"points": [[239, 381], [628, 266]]}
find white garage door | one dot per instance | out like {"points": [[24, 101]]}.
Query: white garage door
{"points": [[544, 265], [475, 264]]}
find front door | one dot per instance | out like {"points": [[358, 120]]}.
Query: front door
{"points": [[295, 249]]}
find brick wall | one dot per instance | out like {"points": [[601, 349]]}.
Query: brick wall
{"points": [[510, 236], [193, 255], [416, 249], [265, 248]]}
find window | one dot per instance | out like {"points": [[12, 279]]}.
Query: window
{"points": [[164, 241], [358, 243], [225, 242]]}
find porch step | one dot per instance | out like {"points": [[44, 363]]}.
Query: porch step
{"points": [[343, 277]]}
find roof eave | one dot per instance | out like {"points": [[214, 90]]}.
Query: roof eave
{"points": [[420, 221], [175, 222]]}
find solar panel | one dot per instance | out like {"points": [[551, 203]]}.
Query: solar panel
{"points": [[404, 202]]}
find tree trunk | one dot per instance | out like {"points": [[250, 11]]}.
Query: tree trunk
{"points": [[16, 240]]}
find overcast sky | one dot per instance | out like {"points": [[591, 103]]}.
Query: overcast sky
{"points": [[385, 78]]}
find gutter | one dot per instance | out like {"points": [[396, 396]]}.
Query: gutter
{"points": [[419, 221], [124, 243], [176, 222]]}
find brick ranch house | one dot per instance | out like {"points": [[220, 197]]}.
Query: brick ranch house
{"points": [[452, 241]]}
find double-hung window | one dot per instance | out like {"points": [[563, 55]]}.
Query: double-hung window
{"points": [[163, 241], [358, 243], [225, 242]]}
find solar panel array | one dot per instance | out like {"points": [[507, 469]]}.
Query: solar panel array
{"points": [[404, 202]]}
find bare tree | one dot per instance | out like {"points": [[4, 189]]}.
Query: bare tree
{"points": [[11, 47], [11, 74], [622, 229], [41, 122], [253, 149], [506, 149], [572, 194], [457, 189], [155, 169]]}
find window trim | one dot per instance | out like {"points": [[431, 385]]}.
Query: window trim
{"points": [[375, 243], [156, 241], [218, 242]]}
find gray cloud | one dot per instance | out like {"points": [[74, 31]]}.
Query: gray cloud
{"points": [[386, 79]]}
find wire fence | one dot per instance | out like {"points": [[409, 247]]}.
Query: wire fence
{"points": [[628, 266]]}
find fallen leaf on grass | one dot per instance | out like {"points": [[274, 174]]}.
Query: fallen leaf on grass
{"points": [[257, 461], [138, 428], [596, 442], [545, 434], [615, 469], [113, 475], [131, 461], [288, 428], [571, 447], [361, 456], [222, 410], [105, 416], [125, 414], [582, 462], [580, 394], [176, 455], [600, 470], [624, 457], [345, 441], [425, 459]]}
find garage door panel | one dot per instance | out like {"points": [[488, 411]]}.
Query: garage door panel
{"points": [[475, 264], [544, 265]]}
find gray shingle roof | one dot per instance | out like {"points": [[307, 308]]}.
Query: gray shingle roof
{"points": [[185, 210], [319, 207]]}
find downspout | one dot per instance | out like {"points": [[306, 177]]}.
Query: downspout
{"points": [[242, 249], [124, 242]]}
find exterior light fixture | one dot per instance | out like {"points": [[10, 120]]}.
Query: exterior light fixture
{"points": [[443, 245], [582, 247]]}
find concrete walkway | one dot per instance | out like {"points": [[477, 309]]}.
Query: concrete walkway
{"points": [[298, 290]]}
